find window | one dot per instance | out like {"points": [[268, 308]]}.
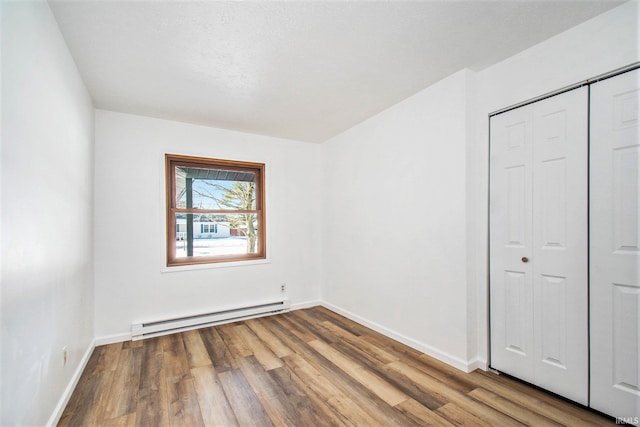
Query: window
{"points": [[215, 210], [208, 228]]}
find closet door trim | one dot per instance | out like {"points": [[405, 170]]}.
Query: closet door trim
{"points": [[586, 82]]}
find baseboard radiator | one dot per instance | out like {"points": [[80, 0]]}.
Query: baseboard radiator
{"points": [[169, 326]]}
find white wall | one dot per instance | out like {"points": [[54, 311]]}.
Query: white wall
{"points": [[424, 164], [47, 210], [131, 285], [402, 171], [602, 44]]}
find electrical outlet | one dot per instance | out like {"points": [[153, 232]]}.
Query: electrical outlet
{"points": [[283, 288], [65, 355]]}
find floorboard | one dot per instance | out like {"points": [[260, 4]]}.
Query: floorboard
{"points": [[307, 367]]}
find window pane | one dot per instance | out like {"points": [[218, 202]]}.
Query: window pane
{"points": [[214, 235], [203, 188]]}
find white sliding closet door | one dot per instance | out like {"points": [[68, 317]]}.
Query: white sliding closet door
{"points": [[538, 243], [615, 246]]}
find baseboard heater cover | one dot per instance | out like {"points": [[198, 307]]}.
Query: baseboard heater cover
{"points": [[169, 326]]}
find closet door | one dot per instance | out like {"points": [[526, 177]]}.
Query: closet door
{"points": [[511, 220], [538, 238], [615, 246]]}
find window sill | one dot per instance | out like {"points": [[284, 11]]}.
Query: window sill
{"points": [[189, 267]]}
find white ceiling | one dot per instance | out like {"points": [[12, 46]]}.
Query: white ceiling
{"points": [[292, 69]]}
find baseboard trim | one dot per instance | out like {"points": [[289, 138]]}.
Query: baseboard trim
{"points": [[456, 362], [307, 304], [112, 339], [478, 363], [64, 399]]}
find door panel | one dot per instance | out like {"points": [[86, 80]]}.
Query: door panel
{"points": [[510, 222], [552, 198], [517, 206], [538, 243], [554, 323], [614, 245], [625, 202], [626, 303], [514, 303], [560, 243]]}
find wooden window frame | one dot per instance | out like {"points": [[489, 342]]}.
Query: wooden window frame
{"points": [[173, 160]]}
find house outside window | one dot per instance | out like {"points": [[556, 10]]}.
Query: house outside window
{"points": [[215, 210]]}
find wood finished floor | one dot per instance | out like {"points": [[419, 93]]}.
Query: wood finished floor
{"points": [[304, 368]]}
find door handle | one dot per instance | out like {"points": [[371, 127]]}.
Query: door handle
{"points": [[525, 259]]}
